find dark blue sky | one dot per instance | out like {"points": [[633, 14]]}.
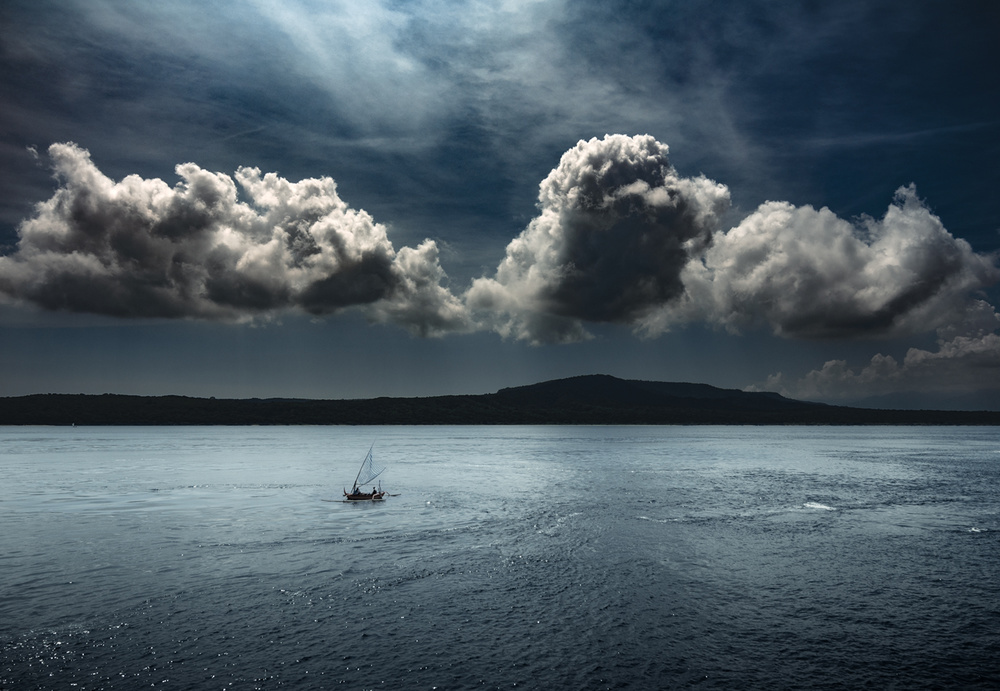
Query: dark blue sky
{"points": [[440, 121]]}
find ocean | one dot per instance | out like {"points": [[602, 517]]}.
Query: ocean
{"points": [[506, 558]]}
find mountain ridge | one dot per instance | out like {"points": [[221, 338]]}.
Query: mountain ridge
{"points": [[586, 399], [607, 387]]}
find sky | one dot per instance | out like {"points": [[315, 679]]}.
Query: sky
{"points": [[353, 199]]}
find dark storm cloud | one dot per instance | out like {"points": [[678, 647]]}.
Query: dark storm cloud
{"points": [[140, 248], [621, 237], [616, 227], [478, 99]]}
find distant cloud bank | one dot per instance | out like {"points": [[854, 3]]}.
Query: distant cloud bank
{"points": [[962, 363], [621, 237]]}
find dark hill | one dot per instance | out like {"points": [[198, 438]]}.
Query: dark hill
{"points": [[607, 391], [593, 399]]}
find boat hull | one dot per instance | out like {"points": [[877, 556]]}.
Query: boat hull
{"points": [[377, 496]]}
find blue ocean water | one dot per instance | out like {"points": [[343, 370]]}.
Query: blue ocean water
{"points": [[509, 557]]}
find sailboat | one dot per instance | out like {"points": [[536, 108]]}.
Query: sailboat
{"points": [[369, 471]]}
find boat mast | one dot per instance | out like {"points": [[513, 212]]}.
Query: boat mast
{"points": [[355, 487]]}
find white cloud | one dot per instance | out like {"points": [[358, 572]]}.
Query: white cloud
{"points": [[809, 274], [140, 248]]}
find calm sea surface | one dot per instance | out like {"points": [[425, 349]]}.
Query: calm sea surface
{"points": [[510, 557]]}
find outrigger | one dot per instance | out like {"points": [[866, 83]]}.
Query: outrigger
{"points": [[368, 472]]}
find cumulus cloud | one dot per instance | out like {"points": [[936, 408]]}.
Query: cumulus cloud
{"points": [[617, 225], [962, 362], [621, 237], [807, 273], [140, 248]]}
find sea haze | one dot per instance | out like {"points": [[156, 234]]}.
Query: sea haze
{"points": [[527, 557]]}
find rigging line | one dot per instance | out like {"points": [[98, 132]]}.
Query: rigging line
{"points": [[367, 458]]}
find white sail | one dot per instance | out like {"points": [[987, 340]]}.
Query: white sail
{"points": [[369, 470]]}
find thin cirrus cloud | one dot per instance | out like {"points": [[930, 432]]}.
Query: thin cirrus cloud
{"points": [[140, 248], [620, 237]]}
